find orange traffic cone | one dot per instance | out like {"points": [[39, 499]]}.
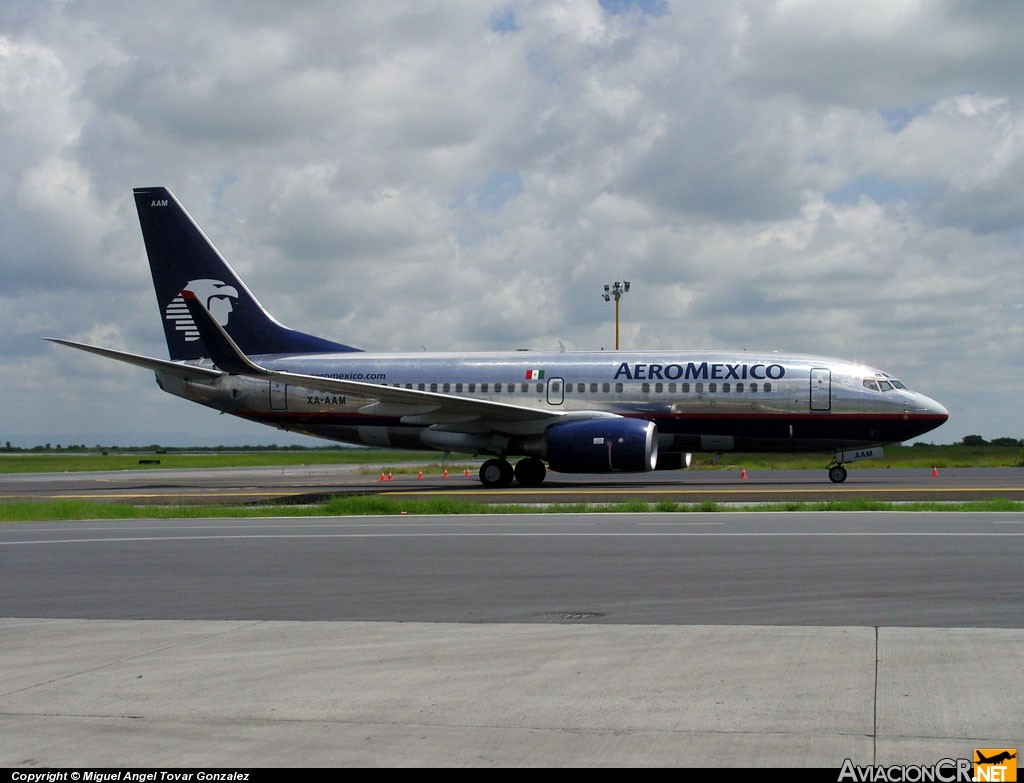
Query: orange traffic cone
{"points": [[467, 472], [743, 473], [382, 476], [390, 476], [446, 472], [935, 471], [420, 475]]}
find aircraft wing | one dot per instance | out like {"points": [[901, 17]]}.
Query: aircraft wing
{"points": [[189, 372], [422, 407], [411, 405]]}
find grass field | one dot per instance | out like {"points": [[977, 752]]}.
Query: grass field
{"points": [[375, 505]]}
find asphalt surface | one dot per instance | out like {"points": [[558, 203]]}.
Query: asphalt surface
{"points": [[310, 483], [717, 639], [697, 640], [849, 569]]}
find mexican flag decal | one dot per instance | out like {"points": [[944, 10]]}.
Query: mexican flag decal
{"points": [[535, 375]]}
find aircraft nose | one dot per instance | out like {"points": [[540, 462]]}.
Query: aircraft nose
{"points": [[930, 406]]}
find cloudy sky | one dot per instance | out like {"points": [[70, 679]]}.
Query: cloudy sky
{"points": [[840, 178]]}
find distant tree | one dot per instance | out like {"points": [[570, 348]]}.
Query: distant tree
{"points": [[1006, 442], [974, 440]]}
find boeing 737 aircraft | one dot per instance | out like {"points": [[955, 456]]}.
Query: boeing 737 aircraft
{"points": [[570, 412]]}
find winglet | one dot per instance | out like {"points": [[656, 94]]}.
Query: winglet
{"points": [[223, 350]]}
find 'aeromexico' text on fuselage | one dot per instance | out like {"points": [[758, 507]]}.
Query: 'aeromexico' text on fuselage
{"points": [[699, 371]]}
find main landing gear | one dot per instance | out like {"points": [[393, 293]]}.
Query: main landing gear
{"points": [[498, 473], [837, 474]]}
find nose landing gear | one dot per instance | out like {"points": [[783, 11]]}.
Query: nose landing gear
{"points": [[836, 471], [837, 474]]}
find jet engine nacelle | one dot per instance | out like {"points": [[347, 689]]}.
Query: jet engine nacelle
{"points": [[603, 446]]}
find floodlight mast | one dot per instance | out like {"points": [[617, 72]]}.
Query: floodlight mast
{"points": [[616, 290]]}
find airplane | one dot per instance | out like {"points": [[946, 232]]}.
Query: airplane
{"points": [[567, 411], [996, 759]]}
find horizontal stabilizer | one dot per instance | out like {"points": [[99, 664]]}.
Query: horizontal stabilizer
{"points": [[189, 372]]}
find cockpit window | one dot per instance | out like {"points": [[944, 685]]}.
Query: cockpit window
{"points": [[897, 384], [871, 383], [885, 385]]}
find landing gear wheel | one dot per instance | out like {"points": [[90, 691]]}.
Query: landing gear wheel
{"points": [[837, 473], [496, 474], [530, 472]]}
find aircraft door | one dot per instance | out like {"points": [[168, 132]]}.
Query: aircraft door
{"points": [[278, 396], [821, 389], [556, 391]]}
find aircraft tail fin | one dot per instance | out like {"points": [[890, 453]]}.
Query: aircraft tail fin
{"points": [[181, 257]]}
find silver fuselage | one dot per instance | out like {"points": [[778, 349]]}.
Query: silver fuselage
{"points": [[699, 400]]}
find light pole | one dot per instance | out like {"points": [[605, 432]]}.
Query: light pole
{"points": [[616, 289]]}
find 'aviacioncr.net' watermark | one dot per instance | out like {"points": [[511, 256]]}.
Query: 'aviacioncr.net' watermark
{"points": [[990, 765]]}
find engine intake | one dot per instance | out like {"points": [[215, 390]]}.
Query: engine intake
{"points": [[603, 446]]}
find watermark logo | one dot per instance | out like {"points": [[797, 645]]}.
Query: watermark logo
{"points": [[215, 295], [995, 764], [942, 771]]}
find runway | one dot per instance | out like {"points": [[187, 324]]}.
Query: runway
{"points": [[850, 569], [310, 483], [698, 639]]}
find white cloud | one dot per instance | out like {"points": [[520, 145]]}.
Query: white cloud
{"points": [[830, 177]]}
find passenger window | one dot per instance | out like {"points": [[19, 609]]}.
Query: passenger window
{"points": [[658, 388], [540, 388], [686, 388], [712, 388], [739, 387], [645, 388], [767, 388], [458, 388], [420, 386], [593, 388], [497, 387], [607, 387], [433, 387], [618, 387], [447, 387], [671, 388], [525, 387], [726, 387], [483, 387], [699, 388], [753, 387]]}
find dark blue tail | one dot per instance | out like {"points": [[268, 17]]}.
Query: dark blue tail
{"points": [[181, 257]]}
